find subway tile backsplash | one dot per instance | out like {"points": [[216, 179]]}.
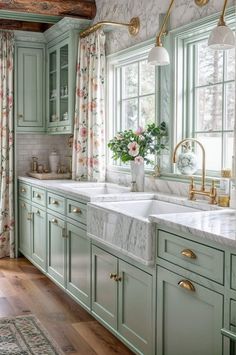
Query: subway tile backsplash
{"points": [[39, 145]]}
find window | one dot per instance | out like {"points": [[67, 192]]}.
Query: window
{"points": [[205, 93], [132, 94], [213, 93]]}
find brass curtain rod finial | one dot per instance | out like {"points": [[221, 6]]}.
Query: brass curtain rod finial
{"points": [[134, 26]]}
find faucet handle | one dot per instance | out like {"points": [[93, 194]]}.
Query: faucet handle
{"points": [[191, 182]]}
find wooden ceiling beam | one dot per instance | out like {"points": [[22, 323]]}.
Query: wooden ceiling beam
{"points": [[23, 26], [75, 8]]}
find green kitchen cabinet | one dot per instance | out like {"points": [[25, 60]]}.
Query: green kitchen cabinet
{"points": [[56, 248], [38, 239], [78, 264], [122, 297], [104, 286], [30, 87], [25, 217], [61, 74], [189, 316], [135, 315]]}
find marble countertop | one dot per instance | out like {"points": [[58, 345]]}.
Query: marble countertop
{"points": [[77, 189], [218, 226]]}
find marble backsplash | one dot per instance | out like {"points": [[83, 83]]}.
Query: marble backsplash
{"points": [[184, 12], [152, 183]]}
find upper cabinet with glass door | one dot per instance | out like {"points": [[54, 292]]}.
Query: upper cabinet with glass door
{"points": [[61, 85]]}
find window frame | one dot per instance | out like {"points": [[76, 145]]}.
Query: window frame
{"points": [[131, 55], [182, 62]]}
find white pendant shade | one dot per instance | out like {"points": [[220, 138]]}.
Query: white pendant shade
{"points": [[221, 37], [158, 56]]}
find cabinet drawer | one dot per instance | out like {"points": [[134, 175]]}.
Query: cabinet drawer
{"points": [[77, 211], [56, 203], [24, 190], [233, 272], [39, 196], [198, 258], [233, 313]]}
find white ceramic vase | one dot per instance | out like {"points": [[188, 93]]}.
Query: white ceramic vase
{"points": [[137, 175], [54, 160], [187, 163]]}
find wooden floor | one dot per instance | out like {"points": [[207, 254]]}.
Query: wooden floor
{"points": [[25, 290]]}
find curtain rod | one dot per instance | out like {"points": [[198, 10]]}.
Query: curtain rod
{"points": [[133, 27]]}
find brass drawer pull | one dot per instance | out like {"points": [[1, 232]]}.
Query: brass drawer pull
{"points": [[76, 210], [189, 254], [54, 202], [23, 189], [54, 220], [187, 285], [118, 278], [38, 196], [113, 276]]}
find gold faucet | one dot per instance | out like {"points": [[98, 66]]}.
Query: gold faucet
{"points": [[212, 193]]}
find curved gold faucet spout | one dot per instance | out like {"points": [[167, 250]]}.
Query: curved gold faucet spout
{"points": [[212, 194], [203, 157]]}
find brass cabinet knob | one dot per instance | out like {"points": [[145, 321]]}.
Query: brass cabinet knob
{"points": [[189, 254], [76, 210], [38, 196], [187, 285], [54, 202], [20, 116], [23, 189], [113, 276], [118, 278], [54, 220], [38, 213]]}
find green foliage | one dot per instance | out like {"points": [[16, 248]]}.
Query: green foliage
{"points": [[128, 145]]}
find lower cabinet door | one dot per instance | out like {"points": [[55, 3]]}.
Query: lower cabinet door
{"points": [[56, 248], [25, 228], [78, 264], [189, 317], [39, 237], [104, 286], [135, 316]]}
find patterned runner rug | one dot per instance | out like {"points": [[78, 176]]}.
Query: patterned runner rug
{"points": [[25, 335]]}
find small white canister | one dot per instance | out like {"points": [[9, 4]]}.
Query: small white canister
{"points": [[54, 160]]}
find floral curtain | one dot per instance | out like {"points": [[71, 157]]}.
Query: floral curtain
{"points": [[6, 145], [88, 160]]}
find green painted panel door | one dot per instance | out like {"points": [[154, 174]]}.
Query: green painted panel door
{"points": [[25, 228], [39, 237], [104, 288], [78, 264], [188, 322], [30, 89], [56, 248], [135, 317]]}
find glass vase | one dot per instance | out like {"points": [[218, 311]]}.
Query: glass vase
{"points": [[137, 175]]}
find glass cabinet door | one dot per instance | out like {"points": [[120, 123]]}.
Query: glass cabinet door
{"points": [[64, 61], [53, 115]]}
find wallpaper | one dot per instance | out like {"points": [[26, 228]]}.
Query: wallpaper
{"points": [[184, 11]]}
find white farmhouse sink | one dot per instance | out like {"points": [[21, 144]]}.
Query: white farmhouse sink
{"points": [[102, 190], [145, 208], [93, 188], [125, 225]]}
